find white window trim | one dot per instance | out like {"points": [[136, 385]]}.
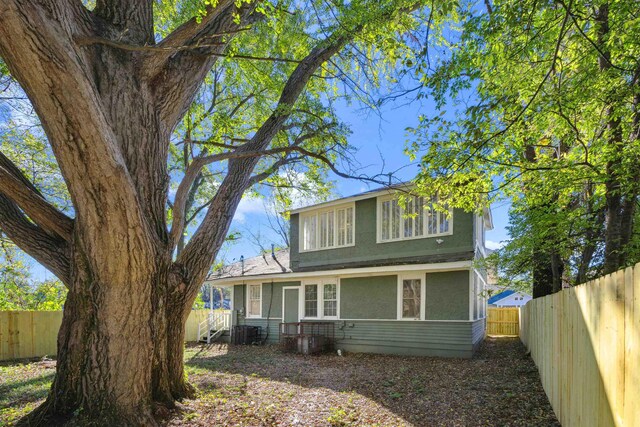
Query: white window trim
{"points": [[383, 199], [317, 214], [480, 235], [423, 288], [320, 283], [247, 301], [482, 300]]}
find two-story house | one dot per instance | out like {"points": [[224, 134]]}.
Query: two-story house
{"points": [[392, 279]]}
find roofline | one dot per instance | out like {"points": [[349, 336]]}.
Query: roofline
{"points": [[354, 198], [507, 296], [355, 272]]}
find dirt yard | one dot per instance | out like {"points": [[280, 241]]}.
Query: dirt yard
{"points": [[259, 386]]}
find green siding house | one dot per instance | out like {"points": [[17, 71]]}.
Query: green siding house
{"points": [[393, 279]]}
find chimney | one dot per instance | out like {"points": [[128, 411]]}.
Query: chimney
{"points": [[273, 251], [242, 263]]}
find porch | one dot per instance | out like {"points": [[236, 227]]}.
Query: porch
{"points": [[307, 337]]}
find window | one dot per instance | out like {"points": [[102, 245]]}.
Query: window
{"points": [[321, 299], [311, 301], [410, 297], [309, 232], [326, 229], [254, 304], [418, 219], [330, 300], [345, 226]]}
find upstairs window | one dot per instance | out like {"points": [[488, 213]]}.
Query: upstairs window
{"points": [[327, 228], [418, 219]]}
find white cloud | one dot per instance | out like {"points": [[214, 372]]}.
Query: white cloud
{"points": [[490, 244], [248, 205]]}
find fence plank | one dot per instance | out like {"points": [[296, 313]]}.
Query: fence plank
{"points": [[632, 346], [25, 334], [503, 321], [585, 342]]}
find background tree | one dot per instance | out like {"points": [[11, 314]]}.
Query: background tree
{"points": [[24, 144], [110, 85], [539, 104], [18, 291]]}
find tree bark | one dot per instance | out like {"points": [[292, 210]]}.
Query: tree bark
{"points": [[105, 343], [621, 198], [546, 263], [108, 114], [542, 274]]}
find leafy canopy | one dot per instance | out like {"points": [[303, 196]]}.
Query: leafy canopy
{"points": [[525, 94]]}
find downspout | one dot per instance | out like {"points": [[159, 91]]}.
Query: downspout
{"points": [[266, 336]]}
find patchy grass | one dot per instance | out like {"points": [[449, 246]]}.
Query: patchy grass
{"points": [[259, 386], [23, 385]]}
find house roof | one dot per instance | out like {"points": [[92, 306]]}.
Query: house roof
{"points": [[265, 266], [359, 196], [256, 266], [501, 295], [391, 261]]}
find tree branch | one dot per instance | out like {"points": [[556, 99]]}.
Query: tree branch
{"points": [[337, 171], [176, 76], [259, 177], [193, 32], [15, 186], [203, 246], [50, 251], [192, 172], [90, 40]]}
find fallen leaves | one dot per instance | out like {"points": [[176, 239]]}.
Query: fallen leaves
{"points": [[260, 386]]}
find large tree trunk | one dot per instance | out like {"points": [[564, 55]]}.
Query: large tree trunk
{"points": [[108, 102], [105, 349], [120, 350], [169, 319]]}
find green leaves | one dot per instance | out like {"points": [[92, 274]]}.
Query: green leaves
{"points": [[18, 291], [529, 109], [4, 71]]}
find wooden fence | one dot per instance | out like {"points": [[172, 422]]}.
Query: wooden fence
{"points": [[503, 321], [34, 333], [585, 342]]}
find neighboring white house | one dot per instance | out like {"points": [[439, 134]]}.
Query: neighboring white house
{"points": [[509, 298]]}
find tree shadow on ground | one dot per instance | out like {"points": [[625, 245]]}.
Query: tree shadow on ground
{"points": [[20, 392]]}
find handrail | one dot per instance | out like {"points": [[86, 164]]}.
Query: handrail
{"points": [[214, 322]]}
